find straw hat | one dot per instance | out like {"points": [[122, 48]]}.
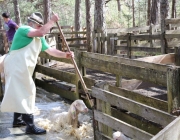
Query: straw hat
{"points": [[37, 18]]}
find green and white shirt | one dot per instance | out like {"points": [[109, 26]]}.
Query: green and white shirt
{"points": [[21, 39]]}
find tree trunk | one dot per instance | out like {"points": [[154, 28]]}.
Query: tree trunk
{"points": [[173, 14], [88, 25], [99, 26], [149, 12], [17, 12], [77, 17], [164, 8], [1, 26], [133, 13], [119, 5], [154, 12], [47, 10]]}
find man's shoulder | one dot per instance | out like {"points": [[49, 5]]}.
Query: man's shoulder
{"points": [[24, 27], [11, 22]]}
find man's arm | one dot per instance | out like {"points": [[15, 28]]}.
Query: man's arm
{"points": [[56, 53], [16, 27], [45, 28]]}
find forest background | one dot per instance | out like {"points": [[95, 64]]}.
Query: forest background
{"points": [[118, 13]]}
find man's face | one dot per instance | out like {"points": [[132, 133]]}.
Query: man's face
{"points": [[5, 19], [35, 25]]}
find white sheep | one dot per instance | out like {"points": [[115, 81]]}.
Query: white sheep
{"points": [[70, 117], [119, 136]]}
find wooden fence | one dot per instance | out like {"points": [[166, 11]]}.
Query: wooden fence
{"points": [[75, 39], [138, 116], [113, 47], [147, 39]]}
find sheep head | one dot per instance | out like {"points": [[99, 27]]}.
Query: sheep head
{"points": [[76, 107], [119, 136]]}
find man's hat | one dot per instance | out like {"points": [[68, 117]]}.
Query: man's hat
{"points": [[37, 18]]}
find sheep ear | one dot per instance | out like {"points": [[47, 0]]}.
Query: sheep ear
{"points": [[73, 111]]}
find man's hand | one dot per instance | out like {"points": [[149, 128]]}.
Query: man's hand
{"points": [[55, 17], [69, 55]]}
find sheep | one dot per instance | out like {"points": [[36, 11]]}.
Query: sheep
{"points": [[119, 136], [70, 117]]}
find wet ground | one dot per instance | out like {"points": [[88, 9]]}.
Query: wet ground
{"points": [[45, 103]]}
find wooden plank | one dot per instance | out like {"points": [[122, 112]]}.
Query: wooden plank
{"points": [[75, 32], [170, 132], [145, 37], [125, 128], [136, 121], [172, 21], [134, 72], [74, 39], [60, 75], [156, 103], [169, 36], [127, 61], [101, 136], [136, 48], [145, 111], [77, 45], [2, 31], [55, 89], [47, 56]]}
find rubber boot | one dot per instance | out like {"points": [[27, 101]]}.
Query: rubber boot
{"points": [[17, 121], [30, 127]]}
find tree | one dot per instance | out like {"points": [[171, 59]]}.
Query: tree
{"points": [[154, 12], [164, 8], [88, 25], [77, 15], [119, 5], [16, 12], [173, 14], [46, 10], [99, 23], [149, 12], [133, 12]]}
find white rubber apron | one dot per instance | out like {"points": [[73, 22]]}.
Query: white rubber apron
{"points": [[20, 90]]}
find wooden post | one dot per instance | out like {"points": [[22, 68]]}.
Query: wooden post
{"points": [[151, 33], [177, 56], [163, 44], [115, 44], [129, 45], [77, 57], [94, 47], [103, 43], [105, 108], [112, 45], [99, 49], [109, 44], [118, 80], [173, 88]]}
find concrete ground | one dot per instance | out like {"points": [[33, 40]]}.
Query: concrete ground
{"points": [[7, 132]]}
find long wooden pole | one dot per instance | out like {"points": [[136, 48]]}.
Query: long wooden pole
{"points": [[75, 65]]}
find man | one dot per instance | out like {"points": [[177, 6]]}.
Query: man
{"points": [[10, 26], [19, 64]]}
